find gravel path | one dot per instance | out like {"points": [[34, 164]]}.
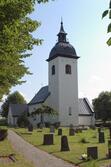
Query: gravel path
{"points": [[36, 156]]}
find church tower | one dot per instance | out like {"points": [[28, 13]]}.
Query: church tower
{"points": [[63, 80]]}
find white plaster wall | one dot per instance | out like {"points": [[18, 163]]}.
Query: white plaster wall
{"points": [[64, 90], [86, 120]]}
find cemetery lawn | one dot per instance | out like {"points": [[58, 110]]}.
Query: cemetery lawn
{"points": [[77, 148], [5, 150]]}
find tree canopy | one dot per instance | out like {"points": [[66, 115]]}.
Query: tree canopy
{"points": [[108, 13], [16, 40], [14, 98], [102, 106]]}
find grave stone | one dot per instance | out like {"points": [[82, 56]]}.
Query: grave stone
{"points": [[52, 129], [92, 152], [109, 148], [30, 127], [48, 139], [64, 144], [59, 131], [101, 137], [71, 132]]}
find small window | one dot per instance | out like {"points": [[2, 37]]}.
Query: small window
{"points": [[70, 111], [53, 70], [68, 69]]}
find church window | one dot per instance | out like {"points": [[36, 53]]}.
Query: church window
{"points": [[53, 70], [70, 111], [68, 69]]}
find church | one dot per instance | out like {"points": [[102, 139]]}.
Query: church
{"points": [[61, 94]]}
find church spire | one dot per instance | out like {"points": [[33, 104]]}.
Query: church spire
{"points": [[62, 34]]}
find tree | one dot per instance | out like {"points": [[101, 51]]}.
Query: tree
{"points": [[16, 40], [14, 98], [102, 106], [44, 110], [108, 13]]}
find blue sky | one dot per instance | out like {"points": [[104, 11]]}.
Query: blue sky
{"points": [[86, 32]]}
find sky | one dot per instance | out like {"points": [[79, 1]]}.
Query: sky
{"points": [[87, 32]]}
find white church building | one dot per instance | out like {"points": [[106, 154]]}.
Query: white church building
{"points": [[62, 91]]}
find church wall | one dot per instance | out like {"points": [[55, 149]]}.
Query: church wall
{"points": [[86, 120], [68, 92]]}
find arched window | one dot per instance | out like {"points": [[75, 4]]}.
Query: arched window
{"points": [[68, 69], [53, 70]]}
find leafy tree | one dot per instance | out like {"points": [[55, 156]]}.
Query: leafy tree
{"points": [[108, 13], [44, 110], [22, 120], [14, 98], [102, 106], [16, 40]]}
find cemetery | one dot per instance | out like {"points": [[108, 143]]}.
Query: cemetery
{"points": [[70, 145]]}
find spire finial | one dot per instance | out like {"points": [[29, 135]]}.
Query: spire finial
{"points": [[61, 20]]}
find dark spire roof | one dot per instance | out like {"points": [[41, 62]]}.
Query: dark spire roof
{"points": [[62, 48], [62, 34]]}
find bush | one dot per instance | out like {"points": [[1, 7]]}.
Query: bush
{"points": [[3, 122], [56, 125], [3, 134], [47, 124], [83, 140], [23, 121]]}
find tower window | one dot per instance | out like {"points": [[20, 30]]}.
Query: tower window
{"points": [[53, 70], [70, 111], [68, 69]]}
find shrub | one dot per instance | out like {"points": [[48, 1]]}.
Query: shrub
{"points": [[3, 122], [47, 124], [23, 121], [3, 134], [83, 140], [56, 125]]}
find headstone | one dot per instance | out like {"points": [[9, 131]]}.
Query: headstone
{"points": [[71, 132], [59, 131], [48, 139], [52, 129], [101, 137], [109, 148], [92, 152], [30, 127], [64, 144], [99, 130]]}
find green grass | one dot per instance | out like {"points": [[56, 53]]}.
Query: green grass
{"points": [[76, 146], [5, 150]]}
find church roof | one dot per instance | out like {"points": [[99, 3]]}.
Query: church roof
{"points": [[62, 48], [85, 107], [41, 96]]}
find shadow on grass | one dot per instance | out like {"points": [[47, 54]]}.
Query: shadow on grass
{"points": [[27, 133]]}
